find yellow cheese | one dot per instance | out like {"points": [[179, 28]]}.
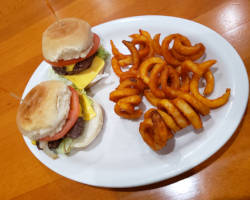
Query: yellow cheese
{"points": [[70, 67], [82, 79], [87, 109], [80, 113]]}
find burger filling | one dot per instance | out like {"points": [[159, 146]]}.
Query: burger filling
{"points": [[74, 133], [75, 68], [63, 144]]}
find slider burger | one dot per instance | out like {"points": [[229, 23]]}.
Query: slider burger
{"points": [[57, 118], [73, 51]]}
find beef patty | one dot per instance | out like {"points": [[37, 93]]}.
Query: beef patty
{"points": [[73, 133], [79, 67]]}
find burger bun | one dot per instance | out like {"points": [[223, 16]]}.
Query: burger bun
{"points": [[44, 110], [66, 39], [91, 128]]}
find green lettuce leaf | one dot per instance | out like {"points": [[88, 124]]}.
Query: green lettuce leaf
{"points": [[65, 146], [102, 53]]}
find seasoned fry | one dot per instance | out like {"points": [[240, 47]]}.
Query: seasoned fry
{"points": [[151, 98], [143, 51], [189, 113], [209, 77], [211, 103], [162, 133], [125, 61], [125, 107], [132, 83], [146, 66], [149, 42], [119, 72], [128, 83], [174, 77], [194, 57], [169, 121], [154, 131], [199, 69], [168, 106], [169, 91], [123, 92], [116, 52], [127, 97], [134, 54], [148, 114], [143, 42], [185, 50], [153, 83], [185, 80], [156, 44], [196, 104], [165, 50]]}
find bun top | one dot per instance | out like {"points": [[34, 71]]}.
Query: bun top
{"points": [[44, 110], [67, 39]]}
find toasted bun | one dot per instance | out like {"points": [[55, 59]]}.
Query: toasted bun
{"points": [[91, 128], [67, 39], [44, 110]]}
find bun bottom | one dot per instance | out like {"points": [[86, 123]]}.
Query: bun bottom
{"points": [[91, 128]]}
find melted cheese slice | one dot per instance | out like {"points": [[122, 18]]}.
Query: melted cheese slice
{"points": [[82, 79], [70, 68], [87, 111]]}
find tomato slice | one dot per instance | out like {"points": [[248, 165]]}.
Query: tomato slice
{"points": [[61, 63], [96, 43], [72, 117]]}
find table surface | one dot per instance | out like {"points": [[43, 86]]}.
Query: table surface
{"points": [[225, 175]]}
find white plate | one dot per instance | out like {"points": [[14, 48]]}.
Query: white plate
{"points": [[119, 157]]}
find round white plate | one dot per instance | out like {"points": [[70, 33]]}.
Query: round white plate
{"points": [[119, 157]]}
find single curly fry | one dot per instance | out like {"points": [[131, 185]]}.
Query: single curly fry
{"points": [[166, 52], [127, 83], [156, 44], [134, 54], [188, 112], [153, 82], [199, 69], [136, 83], [143, 51], [170, 122], [125, 61], [168, 106], [194, 57], [151, 98], [148, 113], [154, 131], [143, 42], [146, 66], [125, 107], [149, 42], [195, 103], [174, 77], [117, 54], [185, 80], [116, 67], [185, 50], [169, 91], [209, 77], [123, 92], [211, 103]]}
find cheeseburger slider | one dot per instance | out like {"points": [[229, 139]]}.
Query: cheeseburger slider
{"points": [[73, 51], [57, 118]]}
